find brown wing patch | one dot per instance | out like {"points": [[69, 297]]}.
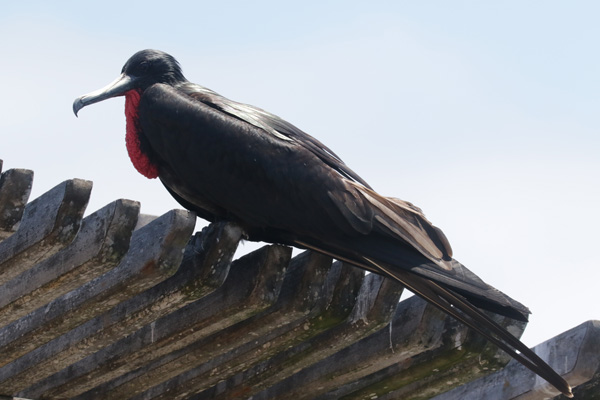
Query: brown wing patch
{"points": [[365, 210]]}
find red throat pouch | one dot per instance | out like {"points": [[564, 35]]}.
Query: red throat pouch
{"points": [[140, 160]]}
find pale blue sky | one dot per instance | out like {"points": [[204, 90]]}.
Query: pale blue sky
{"points": [[485, 114]]}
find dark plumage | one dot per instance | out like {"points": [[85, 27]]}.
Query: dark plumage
{"points": [[231, 161]]}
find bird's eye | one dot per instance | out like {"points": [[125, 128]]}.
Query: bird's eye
{"points": [[144, 67]]}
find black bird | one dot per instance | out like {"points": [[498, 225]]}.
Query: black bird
{"points": [[231, 161]]}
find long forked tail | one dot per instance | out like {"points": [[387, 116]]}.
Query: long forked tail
{"points": [[471, 316], [393, 238], [465, 312]]}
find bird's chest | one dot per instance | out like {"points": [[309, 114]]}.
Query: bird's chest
{"points": [[140, 159]]}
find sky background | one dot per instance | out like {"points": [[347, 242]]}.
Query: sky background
{"points": [[484, 114]]}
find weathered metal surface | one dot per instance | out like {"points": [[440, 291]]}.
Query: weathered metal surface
{"points": [[373, 308], [249, 289], [427, 354], [268, 333], [142, 339], [575, 354], [101, 243], [15, 188], [127, 306], [49, 224], [150, 260]]}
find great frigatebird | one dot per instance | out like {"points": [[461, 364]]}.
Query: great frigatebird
{"points": [[231, 161]]}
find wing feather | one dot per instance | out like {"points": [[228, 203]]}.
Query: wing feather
{"points": [[272, 124]]}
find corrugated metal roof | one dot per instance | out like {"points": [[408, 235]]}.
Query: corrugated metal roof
{"points": [[119, 305]]}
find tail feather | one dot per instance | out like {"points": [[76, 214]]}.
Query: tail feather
{"points": [[393, 238], [464, 282], [463, 310], [455, 276], [397, 229]]}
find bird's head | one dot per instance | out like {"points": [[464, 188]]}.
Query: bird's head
{"points": [[143, 69]]}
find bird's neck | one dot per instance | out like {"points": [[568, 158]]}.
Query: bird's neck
{"points": [[140, 160]]}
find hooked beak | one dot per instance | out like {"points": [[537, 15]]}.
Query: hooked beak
{"points": [[118, 87]]}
